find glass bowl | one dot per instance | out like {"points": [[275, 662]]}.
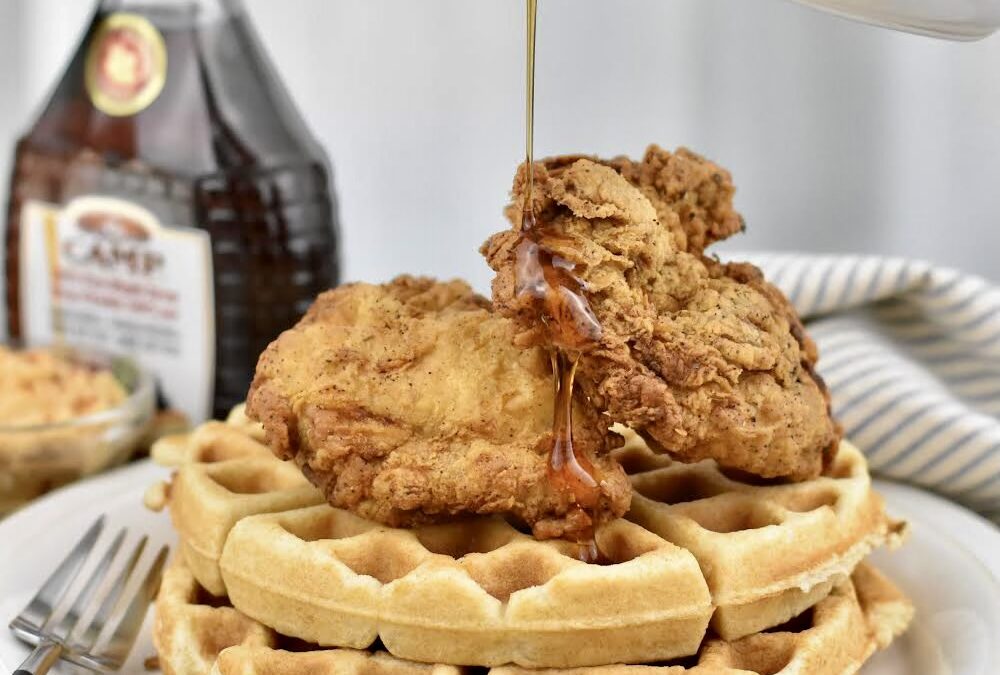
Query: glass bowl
{"points": [[36, 458]]}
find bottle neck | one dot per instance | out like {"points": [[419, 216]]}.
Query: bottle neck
{"points": [[188, 12]]}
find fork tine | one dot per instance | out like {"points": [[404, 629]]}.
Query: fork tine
{"points": [[39, 608], [113, 591], [83, 599], [120, 644]]}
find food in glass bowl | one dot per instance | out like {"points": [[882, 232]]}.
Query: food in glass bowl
{"points": [[65, 414]]}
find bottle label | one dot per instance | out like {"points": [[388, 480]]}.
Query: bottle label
{"points": [[104, 273], [126, 64]]}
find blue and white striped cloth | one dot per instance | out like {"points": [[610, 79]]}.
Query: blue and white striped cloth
{"points": [[911, 354]]}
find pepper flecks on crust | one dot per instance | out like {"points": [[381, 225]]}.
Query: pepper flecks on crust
{"points": [[704, 359]]}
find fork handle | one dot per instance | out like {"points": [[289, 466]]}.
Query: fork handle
{"points": [[39, 661]]}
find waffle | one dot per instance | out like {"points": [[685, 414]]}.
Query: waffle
{"points": [[191, 628], [195, 634], [477, 592], [238, 418], [697, 544], [224, 476], [862, 614], [767, 551]]}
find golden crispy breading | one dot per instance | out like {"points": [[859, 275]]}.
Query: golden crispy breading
{"points": [[693, 196], [408, 402], [703, 359]]}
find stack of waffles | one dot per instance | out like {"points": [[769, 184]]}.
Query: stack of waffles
{"points": [[708, 574]]}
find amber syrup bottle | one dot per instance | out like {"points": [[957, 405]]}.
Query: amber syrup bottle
{"points": [[169, 202]]}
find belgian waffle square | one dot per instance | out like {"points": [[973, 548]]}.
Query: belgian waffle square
{"points": [[767, 550], [196, 633], [192, 627], [224, 474]]}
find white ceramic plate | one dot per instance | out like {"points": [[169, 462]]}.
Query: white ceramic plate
{"points": [[950, 567]]}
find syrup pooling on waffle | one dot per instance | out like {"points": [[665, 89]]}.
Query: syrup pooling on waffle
{"points": [[768, 551], [233, 489]]}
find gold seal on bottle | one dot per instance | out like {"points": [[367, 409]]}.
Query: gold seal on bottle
{"points": [[126, 65]]}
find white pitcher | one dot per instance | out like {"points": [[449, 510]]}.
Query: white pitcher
{"points": [[951, 19]]}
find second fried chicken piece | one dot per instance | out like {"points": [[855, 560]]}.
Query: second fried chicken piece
{"points": [[409, 403], [693, 196], [703, 359]]}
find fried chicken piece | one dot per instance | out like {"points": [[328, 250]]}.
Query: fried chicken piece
{"points": [[693, 196], [705, 360], [409, 403]]}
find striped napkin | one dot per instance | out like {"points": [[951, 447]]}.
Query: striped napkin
{"points": [[911, 354]]}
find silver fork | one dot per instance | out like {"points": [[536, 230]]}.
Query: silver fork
{"points": [[73, 635]]}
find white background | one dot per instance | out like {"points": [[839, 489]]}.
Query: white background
{"points": [[840, 137]]}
